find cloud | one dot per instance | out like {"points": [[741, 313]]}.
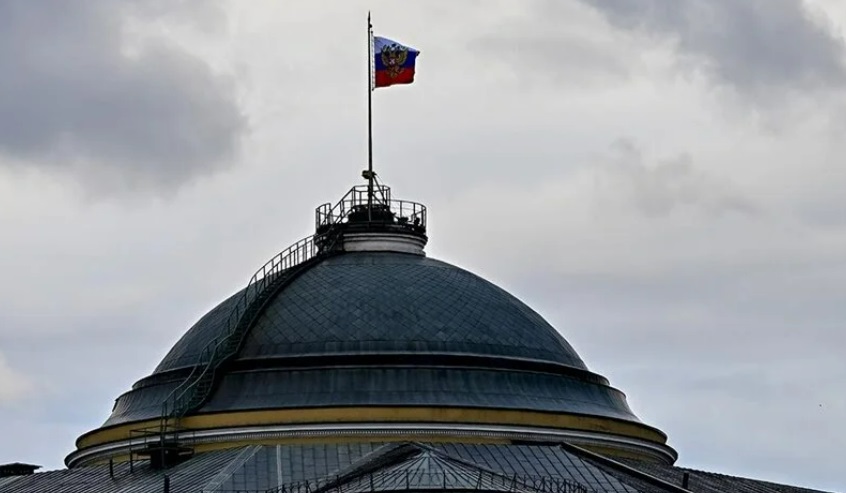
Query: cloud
{"points": [[757, 47], [13, 385], [536, 48], [686, 289], [659, 189], [75, 97], [700, 268]]}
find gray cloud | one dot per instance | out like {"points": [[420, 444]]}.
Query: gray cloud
{"points": [[536, 48], [722, 324], [659, 189], [754, 46], [73, 97], [722, 341]]}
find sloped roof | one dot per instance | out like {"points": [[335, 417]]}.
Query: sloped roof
{"points": [[414, 466], [710, 482], [7, 481], [366, 467]]}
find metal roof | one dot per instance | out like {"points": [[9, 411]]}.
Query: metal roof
{"points": [[388, 329], [373, 467], [425, 387], [8, 480], [189, 477], [377, 302], [709, 482]]}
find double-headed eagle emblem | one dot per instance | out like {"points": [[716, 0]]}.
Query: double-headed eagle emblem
{"points": [[393, 57]]}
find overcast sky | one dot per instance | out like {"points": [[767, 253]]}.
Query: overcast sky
{"points": [[662, 179]]}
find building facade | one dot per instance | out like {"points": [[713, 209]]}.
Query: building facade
{"points": [[353, 362]]}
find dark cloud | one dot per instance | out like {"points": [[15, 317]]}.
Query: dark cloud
{"points": [[754, 46], [73, 96], [700, 269]]}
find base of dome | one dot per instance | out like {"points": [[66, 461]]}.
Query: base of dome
{"points": [[220, 430], [207, 440]]}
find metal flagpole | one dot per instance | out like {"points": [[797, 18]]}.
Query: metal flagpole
{"points": [[369, 117]]}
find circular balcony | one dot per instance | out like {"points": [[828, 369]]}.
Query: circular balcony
{"points": [[367, 218]]}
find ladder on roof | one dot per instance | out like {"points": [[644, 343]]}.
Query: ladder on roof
{"points": [[193, 392], [274, 275], [278, 271]]}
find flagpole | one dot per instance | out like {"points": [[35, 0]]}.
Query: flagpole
{"points": [[369, 116]]}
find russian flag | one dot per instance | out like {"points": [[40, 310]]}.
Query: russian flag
{"points": [[393, 62]]}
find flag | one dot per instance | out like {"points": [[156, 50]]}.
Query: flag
{"points": [[393, 62]]}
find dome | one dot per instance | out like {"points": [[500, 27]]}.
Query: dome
{"points": [[391, 329], [372, 339], [377, 303]]}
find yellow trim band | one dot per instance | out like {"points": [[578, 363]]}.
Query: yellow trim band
{"points": [[385, 414]]}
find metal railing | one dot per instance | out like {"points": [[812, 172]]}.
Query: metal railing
{"points": [[411, 480], [357, 206], [196, 388], [329, 214], [192, 391]]}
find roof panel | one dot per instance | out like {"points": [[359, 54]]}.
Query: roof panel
{"points": [[500, 467], [370, 302]]}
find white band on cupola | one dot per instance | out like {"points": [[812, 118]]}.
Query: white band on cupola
{"points": [[384, 242]]}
